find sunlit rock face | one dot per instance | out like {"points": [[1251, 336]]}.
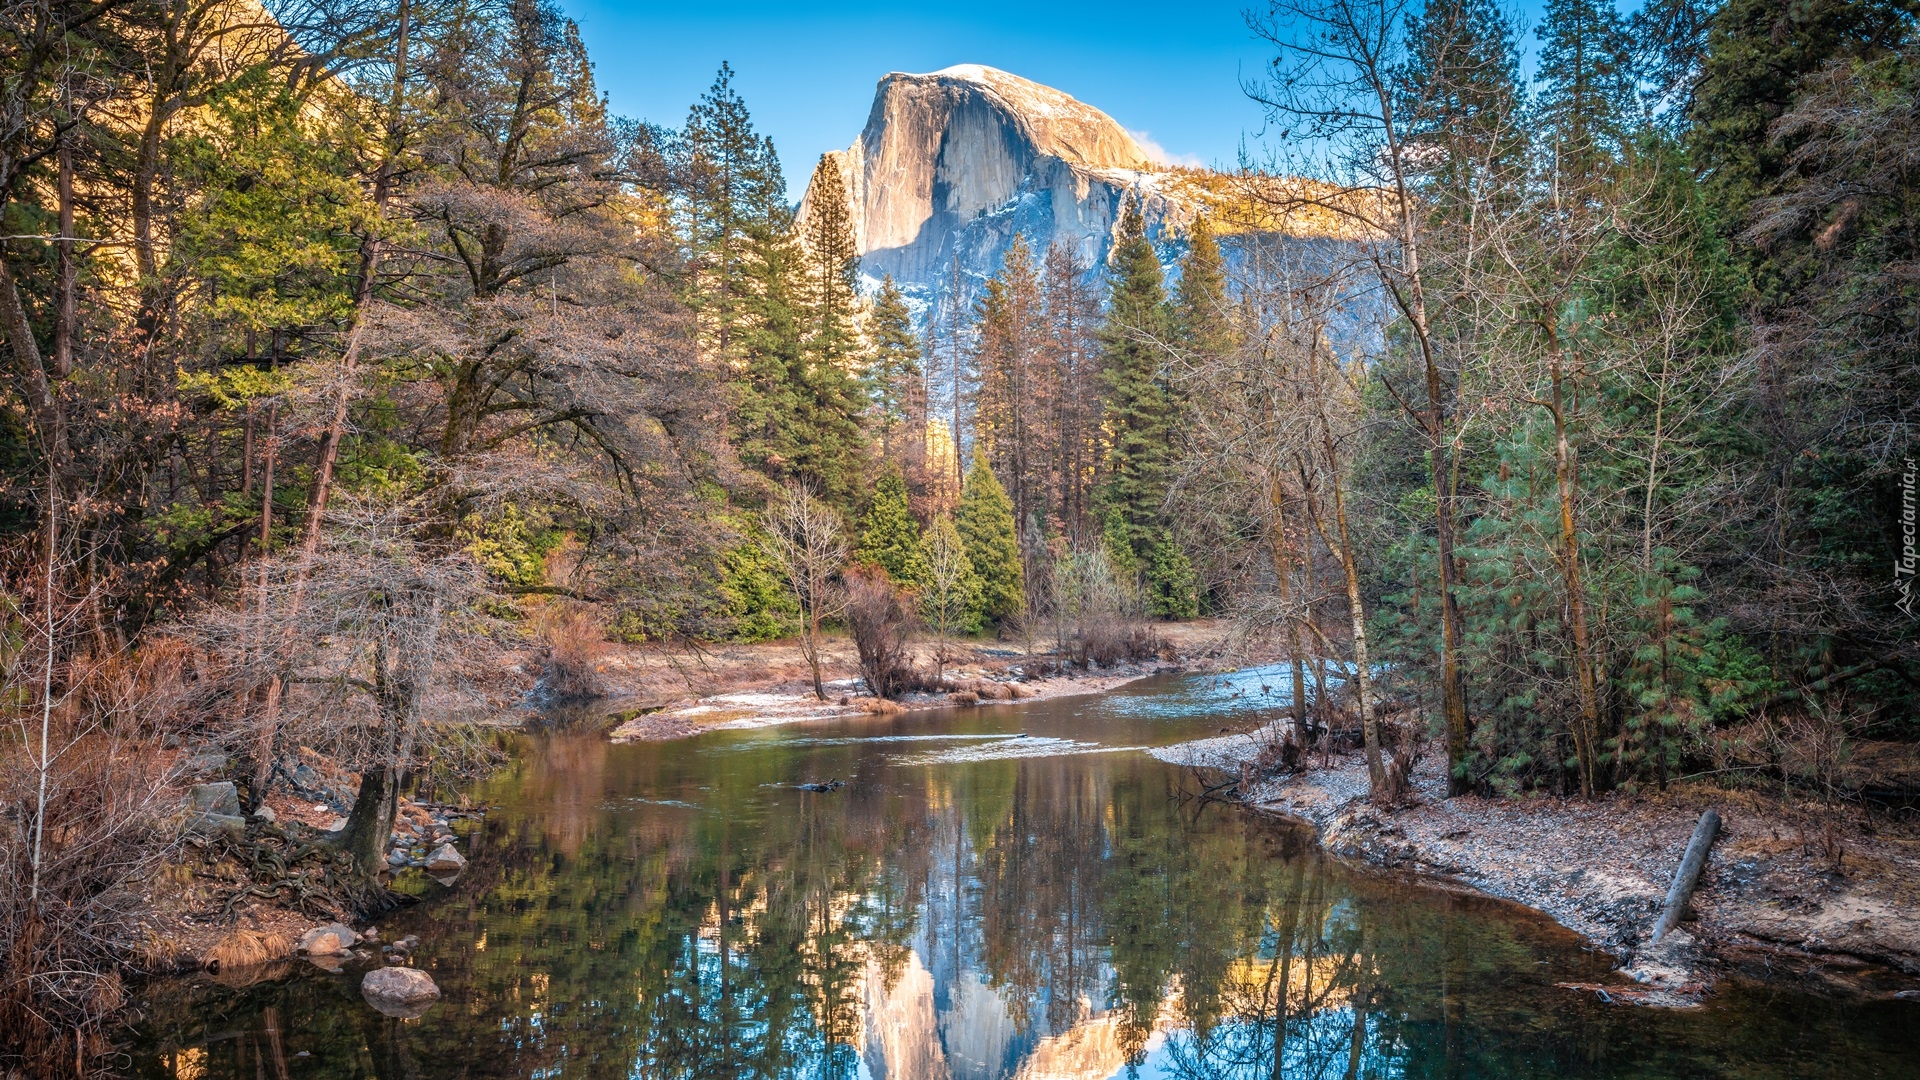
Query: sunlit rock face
{"points": [[956, 163]]}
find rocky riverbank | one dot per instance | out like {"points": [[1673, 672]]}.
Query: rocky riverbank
{"points": [[1825, 892]]}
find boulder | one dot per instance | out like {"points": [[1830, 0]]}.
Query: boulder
{"points": [[220, 798], [445, 860], [399, 991], [202, 823], [332, 939], [208, 764]]}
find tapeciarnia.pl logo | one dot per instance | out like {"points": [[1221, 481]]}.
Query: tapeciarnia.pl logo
{"points": [[1903, 567]]}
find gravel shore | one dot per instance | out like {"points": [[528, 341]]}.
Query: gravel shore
{"points": [[1832, 895]]}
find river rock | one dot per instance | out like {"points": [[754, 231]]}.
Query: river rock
{"points": [[446, 860], [399, 991], [332, 939]]}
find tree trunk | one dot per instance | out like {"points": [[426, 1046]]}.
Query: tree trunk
{"points": [[1566, 479], [1283, 572], [370, 825], [65, 272], [1688, 876], [810, 646], [42, 394], [1342, 545]]}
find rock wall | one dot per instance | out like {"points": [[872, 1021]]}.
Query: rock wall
{"points": [[958, 162]]}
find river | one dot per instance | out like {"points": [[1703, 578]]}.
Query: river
{"points": [[1005, 892]]}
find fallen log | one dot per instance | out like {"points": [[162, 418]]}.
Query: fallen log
{"points": [[1688, 875]]}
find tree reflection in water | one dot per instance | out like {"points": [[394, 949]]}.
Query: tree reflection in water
{"points": [[681, 911]]}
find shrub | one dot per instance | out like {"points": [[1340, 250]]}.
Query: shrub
{"points": [[878, 615]]}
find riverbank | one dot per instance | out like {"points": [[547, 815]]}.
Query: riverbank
{"points": [[1823, 891], [661, 694]]}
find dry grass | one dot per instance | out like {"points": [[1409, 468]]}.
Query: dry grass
{"points": [[245, 947]]}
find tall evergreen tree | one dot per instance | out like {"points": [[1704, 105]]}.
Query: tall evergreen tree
{"points": [[732, 202], [832, 269], [1586, 76], [985, 521], [1139, 406], [896, 385], [827, 395], [1202, 313], [1073, 355], [889, 536], [761, 341], [1459, 94], [1759, 54], [1015, 390]]}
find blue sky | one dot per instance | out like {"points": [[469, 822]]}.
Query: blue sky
{"points": [[1169, 71]]}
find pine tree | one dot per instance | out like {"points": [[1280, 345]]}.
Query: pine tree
{"points": [[827, 396], [1073, 355], [723, 208], [1460, 93], [1203, 319], [1172, 591], [763, 338], [896, 386], [832, 268], [985, 521], [1759, 55], [889, 537], [1139, 406], [1015, 390], [1586, 84]]}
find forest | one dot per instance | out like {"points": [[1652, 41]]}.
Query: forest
{"points": [[357, 353]]}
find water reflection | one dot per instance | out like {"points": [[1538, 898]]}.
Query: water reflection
{"points": [[681, 911]]}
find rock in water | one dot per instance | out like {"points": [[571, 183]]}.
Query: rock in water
{"points": [[445, 860], [329, 940], [399, 991]]}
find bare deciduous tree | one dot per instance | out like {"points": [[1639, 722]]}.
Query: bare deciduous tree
{"points": [[807, 541]]}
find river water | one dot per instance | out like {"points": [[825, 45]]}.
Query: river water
{"points": [[1016, 891]]}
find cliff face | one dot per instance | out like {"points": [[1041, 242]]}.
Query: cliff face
{"points": [[957, 162]]}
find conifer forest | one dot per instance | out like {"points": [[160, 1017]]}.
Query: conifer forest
{"points": [[1547, 426]]}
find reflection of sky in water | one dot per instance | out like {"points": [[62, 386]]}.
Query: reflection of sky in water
{"points": [[1215, 695], [1000, 893]]}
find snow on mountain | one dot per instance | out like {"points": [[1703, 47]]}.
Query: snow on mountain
{"points": [[958, 161]]}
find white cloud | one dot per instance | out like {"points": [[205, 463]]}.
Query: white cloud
{"points": [[1160, 154]]}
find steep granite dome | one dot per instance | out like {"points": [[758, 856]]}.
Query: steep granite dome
{"points": [[959, 161]]}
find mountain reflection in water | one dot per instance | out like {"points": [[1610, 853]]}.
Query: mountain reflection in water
{"points": [[679, 910]]}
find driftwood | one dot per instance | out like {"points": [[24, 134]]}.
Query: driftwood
{"points": [[1688, 876]]}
